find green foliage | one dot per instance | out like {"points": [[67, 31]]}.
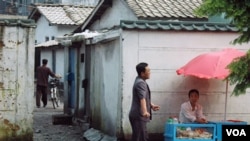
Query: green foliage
{"points": [[238, 12], [239, 74]]}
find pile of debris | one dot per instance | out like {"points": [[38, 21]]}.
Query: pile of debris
{"points": [[95, 135]]}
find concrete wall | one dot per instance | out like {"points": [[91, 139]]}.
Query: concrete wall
{"points": [[105, 87], [59, 63], [165, 52], [44, 29], [80, 105], [113, 15], [16, 82]]}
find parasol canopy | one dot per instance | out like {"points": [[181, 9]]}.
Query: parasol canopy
{"points": [[212, 65]]}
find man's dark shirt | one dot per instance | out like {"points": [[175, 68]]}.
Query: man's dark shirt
{"points": [[140, 91], [43, 74]]}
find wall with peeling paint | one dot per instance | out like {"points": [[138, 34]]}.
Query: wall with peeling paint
{"points": [[16, 79]]}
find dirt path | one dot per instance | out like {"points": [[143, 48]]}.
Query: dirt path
{"points": [[44, 130]]}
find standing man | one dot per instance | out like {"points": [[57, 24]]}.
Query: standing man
{"points": [[43, 73], [140, 112]]}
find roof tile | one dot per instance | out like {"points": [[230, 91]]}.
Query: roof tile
{"points": [[164, 8], [65, 14], [185, 26], [14, 21]]}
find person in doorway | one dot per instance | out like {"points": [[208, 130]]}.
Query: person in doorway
{"points": [[140, 111], [191, 111], [43, 72]]}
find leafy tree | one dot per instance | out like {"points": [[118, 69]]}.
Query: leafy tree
{"points": [[238, 12], [240, 74]]}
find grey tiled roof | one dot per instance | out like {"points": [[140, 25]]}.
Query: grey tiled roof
{"points": [[18, 22], [168, 9], [65, 14], [182, 26]]}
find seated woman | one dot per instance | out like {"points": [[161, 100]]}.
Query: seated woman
{"points": [[191, 111]]}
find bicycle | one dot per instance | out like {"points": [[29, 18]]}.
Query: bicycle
{"points": [[54, 91]]}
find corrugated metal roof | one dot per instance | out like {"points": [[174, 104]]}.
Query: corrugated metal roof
{"points": [[187, 26], [164, 9], [65, 14]]}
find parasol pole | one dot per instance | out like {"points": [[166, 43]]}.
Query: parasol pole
{"points": [[225, 112]]}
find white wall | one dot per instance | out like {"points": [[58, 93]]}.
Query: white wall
{"points": [[105, 87], [165, 52], [46, 53], [81, 95], [60, 63], [113, 15], [16, 82], [44, 29]]}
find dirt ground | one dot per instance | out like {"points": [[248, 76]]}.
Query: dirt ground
{"points": [[45, 130]]}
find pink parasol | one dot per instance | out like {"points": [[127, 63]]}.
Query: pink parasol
{"points": [[211, 65]]}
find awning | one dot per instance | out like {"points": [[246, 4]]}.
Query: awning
{"points": [[48, 43]]}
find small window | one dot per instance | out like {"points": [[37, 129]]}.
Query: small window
{"points": [[82, 57], [46, 38]]}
